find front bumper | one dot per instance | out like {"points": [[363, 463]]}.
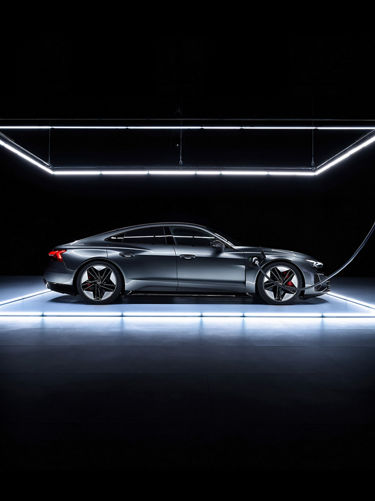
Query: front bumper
{"points": [[313, 277], [323, 288]]}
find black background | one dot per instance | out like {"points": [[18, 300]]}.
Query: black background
{"points": [[71, 76]]}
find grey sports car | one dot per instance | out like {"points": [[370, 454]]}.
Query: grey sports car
{"points": [[178, 257]]}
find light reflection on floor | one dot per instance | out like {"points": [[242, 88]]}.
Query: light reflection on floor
{"points": [[52, 304], [184, 391]]}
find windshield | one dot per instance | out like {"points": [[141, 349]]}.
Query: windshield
{"points": [[220, 235]]}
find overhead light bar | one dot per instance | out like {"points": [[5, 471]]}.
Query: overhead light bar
{"points": [[185, 172], [138, 172], [348, 153], [25, 155], [77, 172], [25, 127], [175, 173], [253, 171], [291, 173], [186, 127]]}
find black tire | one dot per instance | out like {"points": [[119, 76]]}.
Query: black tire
{"points": [[99, 282], [270, 293]]}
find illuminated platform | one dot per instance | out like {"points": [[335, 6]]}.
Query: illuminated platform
{"points": [[27, 297], [214, 387]]}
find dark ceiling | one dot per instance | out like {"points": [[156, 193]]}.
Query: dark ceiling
{"points": [[66, 75], [60, 74]]}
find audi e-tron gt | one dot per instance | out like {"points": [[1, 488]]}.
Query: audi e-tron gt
{"points": [[178, 257]]}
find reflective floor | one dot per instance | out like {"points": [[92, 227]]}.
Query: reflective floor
{"points": [[29, 297], [187, 392]]}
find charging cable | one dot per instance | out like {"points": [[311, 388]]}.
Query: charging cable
{"points": [[287, 288]]}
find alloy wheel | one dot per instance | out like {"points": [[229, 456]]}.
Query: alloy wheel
{"points": [[281, 284], [98, 282]]}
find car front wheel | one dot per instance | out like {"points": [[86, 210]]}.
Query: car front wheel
{"points": [[99, 282], [281, 283]]}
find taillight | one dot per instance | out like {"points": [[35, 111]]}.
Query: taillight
{"points": [[57, 254]]}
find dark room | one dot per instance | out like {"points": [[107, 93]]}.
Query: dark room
{"points": [[187, 276]]}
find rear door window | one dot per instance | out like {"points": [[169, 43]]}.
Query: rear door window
{"points": [[152, 235], [193, 237]]}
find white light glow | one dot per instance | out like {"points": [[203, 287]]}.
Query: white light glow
{"points": [[352, 300], [26, 296], [169, 314], [21, 314], [323, 167], [187, 127], [348, 315], [124, 172], [25, 127], [253, 171], [350, 127], [164, 127], [185, 172], [208, 172], [26, 157], [287, 315], [175, 172], [77, 172], [244, 172], [291, 173], [222, 314], [162, 314], [83, 314]]}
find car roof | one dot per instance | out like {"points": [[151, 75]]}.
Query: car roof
{"points": [[146, 225], [161, 223]]}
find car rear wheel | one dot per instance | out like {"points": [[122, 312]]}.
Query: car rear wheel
{"points": [[99, 282], [281, 283]]}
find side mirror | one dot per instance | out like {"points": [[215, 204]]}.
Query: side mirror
{"points": [[217, 244]]}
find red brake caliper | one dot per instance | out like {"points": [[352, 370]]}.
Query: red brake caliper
{"points": [[89, 278], [290, 283]]}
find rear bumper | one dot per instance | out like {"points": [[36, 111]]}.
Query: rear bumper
{"points": [[57, 274], [62, 288]]}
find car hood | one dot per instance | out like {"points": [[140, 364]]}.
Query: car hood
{"points": [[273, 253]]}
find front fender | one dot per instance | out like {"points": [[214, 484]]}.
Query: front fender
{"points": [[253, 272]]}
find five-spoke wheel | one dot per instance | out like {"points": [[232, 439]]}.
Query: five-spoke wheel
{"points": [[280, 284], [99, 282]]}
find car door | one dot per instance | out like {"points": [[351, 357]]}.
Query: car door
{"points": [[147, 259], [203, 267]]}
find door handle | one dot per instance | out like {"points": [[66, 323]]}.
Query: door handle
{"points": [[187, 256], [126, 255]]}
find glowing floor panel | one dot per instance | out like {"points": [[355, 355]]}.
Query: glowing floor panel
{"points": [[20, 301]]}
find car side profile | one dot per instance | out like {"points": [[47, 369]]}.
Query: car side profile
{"points": [[178, 257]]}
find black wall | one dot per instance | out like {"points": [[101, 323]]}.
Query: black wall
{"points": [[285, 77]]}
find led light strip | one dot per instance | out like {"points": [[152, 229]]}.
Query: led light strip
{"points": [[183, 172], [26, 296], [184, 127], [39, 163], [207, 315], [352, 300], [169, 314], [351, 151], [308, 171]]}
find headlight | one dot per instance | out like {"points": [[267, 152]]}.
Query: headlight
{"points": [[316, 264]]}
